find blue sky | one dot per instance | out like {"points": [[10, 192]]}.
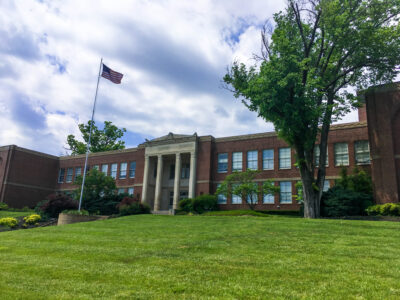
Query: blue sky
{"points": [[173, 55]]}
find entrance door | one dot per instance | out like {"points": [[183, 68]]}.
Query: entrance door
{"points": [[183, 195]]}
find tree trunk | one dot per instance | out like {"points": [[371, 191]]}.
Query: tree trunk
{"points": [[312, 197]]}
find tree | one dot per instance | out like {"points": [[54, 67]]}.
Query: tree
{"points": [[242, 184], [105, 139], [98, 193], [316, 51]]}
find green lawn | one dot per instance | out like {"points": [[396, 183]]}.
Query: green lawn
{"points": [[165, 257], [6, 213]]}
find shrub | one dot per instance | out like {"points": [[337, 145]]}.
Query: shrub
{"points": [[55, 204], [3, 206], [9, 222], [199, 204], [388, 209], [32, 219], [338, 201], [132, 206], [76, 212]]}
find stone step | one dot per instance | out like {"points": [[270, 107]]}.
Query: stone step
{"points": [[163, 212]]}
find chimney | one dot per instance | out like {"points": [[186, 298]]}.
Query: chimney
{"points": [[362, 114]]}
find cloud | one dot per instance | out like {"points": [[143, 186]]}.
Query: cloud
{"points": [[173, 55]]}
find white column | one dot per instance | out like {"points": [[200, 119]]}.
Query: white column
{"points": [[177, 181], [192, 177], [157, 200], [145, 178]]}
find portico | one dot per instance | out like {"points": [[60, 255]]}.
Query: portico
{"points": [[169, 171]]}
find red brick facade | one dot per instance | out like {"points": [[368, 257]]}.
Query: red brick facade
{"points": [[26, 176]]}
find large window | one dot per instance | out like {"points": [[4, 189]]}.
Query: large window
{"points": [[114, 170], [317, 155], [222, 162], [269, 198], [61, 175], [327, 185], [122, 170], [252, 198], [361, 149], [78, 171], [284, 158], [130, 191], [252, 162], [221, 197], [104, 169], [132, 169], [268, 159], [172, 171], [237, 161], [96, 167], [235, 198], [341, 154], [70, 172], [185, 171], [286, 192], [120, 191]]}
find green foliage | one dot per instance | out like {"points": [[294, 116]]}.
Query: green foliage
{"points": [[9, 222], [338, 202], [315, 51], [388, 209], [54, 205], [105, 139], [99, 193], [359, 181], [132, 206], [199, 204], [82, 212], [242, 184], [32, 219], [3, 206]]}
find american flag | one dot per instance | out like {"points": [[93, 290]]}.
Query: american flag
{"points": [[111, 75]]}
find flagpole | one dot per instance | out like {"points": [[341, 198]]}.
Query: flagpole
{"points": [[90, 136]]}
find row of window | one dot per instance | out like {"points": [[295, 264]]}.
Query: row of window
{"points": [[123, 191], [123, 171], [341, 153], [285, 195]]}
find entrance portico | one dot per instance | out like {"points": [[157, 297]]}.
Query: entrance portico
{"points": [[169, 170]]}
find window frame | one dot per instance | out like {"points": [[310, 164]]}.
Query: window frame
{"points": [[222, 167], [123, 167], [114, 173], [105, 172], [132, 170], [76, 174], [69, 175], [357, 153], [336, 154], [237, 162], [268, 195], [281, 183], [268, 160], [61, 175], [316, 161], [289, 158], [251, 160], [235, 198], [221, 198]]}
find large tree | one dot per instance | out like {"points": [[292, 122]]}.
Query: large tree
{"points": [[310, 57], [105, 139]]}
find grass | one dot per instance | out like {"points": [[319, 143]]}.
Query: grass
{"points": [[183, 257], [235, 213], [7, 213]]}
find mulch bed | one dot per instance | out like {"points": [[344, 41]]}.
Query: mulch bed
{"points": [[369, 218], [50, 222]]}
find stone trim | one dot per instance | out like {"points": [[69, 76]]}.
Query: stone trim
{"points": [[112, 152], [29, 186]]}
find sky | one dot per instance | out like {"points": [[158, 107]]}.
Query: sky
{"points": [[173, 55]]}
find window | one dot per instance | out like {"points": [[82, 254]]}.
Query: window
{"points": [[252, 162], [237, 161], [316, 156], [252, 198], [221, 197], [132, 169], [361, 149], [284, 158], [171, 171], [235, 198], [185, 171], [104, 169], [269, 198], [341, 154], [327, 185], [61, 175], [286, 192], [122, 170], [268, 159], [222, 162], [70, 172], [121, 191], [171, 198], [114, 171], [130, 191], [96, 167], [78, 171], [183, 195]]}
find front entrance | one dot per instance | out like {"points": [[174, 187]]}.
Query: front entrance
{"points": [[183, 194]]}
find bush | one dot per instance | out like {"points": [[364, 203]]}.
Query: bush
{"points": [[76, 212], [199, 204], [32, 219], [9, 222], [3, 206], [132, 206], [54, 204], [338, 202], [388, 209]]}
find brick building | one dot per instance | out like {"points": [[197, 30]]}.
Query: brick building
{"points": [[166, 169]]}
